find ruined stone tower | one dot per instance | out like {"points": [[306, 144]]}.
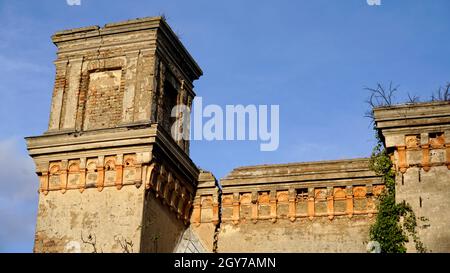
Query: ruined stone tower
{"points": [[114, 179], [108, 154], [418, 137]]}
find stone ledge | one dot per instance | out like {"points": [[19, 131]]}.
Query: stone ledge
{"points": [[128, 26], [298, 172], [405, 115], [104, 142]]}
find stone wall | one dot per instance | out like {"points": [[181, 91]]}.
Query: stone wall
{"points": [[342, 234], [111, 175], [74, 221], [299, 207], [162, 231]]}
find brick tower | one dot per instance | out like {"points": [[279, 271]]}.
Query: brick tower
{"points": [[112, 178]]}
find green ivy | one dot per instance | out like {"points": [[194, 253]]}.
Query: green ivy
{"points": [[395, 223]]}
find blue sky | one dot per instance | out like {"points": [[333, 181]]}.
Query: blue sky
{"points": [[313, 58]]}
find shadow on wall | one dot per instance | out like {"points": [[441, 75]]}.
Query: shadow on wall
{"points": [[161, 231]]}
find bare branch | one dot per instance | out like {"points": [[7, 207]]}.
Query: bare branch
{"points": [[381, 96], [413, 99], [442, 94]]}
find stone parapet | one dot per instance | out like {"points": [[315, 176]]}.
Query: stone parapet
{"points": [[300, 190], [138, 34], [398, 121]]}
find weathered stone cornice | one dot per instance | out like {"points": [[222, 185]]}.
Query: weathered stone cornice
{"points": [[93, 33], [410, 115], [396, 122], [63, 145], [322, 172], [299, 190], [96, 139], [207, 182]]}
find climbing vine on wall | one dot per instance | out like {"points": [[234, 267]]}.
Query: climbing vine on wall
{"points": [[395, 222]]}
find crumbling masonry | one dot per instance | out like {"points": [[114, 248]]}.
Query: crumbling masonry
{"points": [[112, 178]]}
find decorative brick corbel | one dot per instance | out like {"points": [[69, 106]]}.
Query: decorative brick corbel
{"points": [[167, 188], [139, 174], [160, 181], [158, 185], [63, 176], [273, 206], [119, 171], [181, 202], [187, 210], [254, 207], [402, 164], [426, 157], [174, 196], [197, 212], [82, 186], [370, 203], [100, 173], [311, 208], [236, 208], [349, 195], [292, 206], [151, 176], [44, 183], [447, 152], [143, 175], [330, 203]]}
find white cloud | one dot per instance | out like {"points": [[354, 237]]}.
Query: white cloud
{"points": [[18, 197], [17, 178]]}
